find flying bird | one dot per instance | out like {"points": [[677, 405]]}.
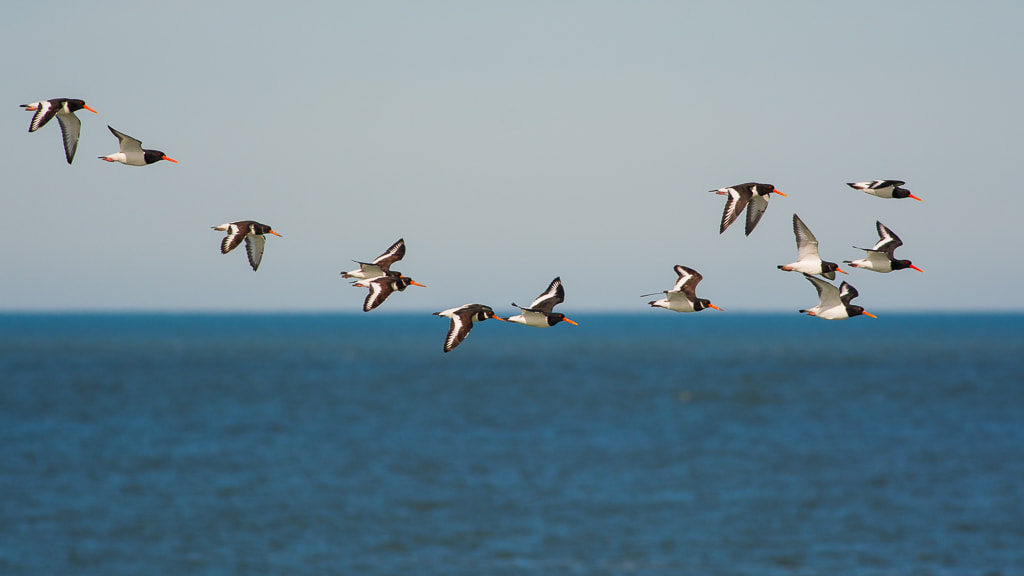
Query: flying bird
{"points": [[381, 266], [683, 297], [540, 314], [880, 257], [752, 196], [383, 286], [808, 261], [462, 319], [834, 303], [132, 152], [884, 189], [253, 232], [64, 109]]}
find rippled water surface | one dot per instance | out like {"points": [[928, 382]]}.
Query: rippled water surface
{"points": [[649, 444]]}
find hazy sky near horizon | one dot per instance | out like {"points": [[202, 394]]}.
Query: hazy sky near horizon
{"points": [[510, 143]]}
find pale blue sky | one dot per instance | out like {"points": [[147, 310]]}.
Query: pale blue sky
{"points": [[509, 143]]}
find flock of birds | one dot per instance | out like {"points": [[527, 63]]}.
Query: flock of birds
{"points": [[381, 281]]}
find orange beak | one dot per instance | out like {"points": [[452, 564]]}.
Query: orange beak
{"points": [[710, 305], [169, 159], [569, 321], [869, 314], [279, 236], [841, 270], [89, 109], [496, 317], [916, 268], [415, 283], [779, 193], [916, 198]]}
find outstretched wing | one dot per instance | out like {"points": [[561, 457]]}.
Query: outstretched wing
{"points": [[70, 127], [235, 235], [735, 203], [847, 293], [254, 244], [461, 324], [755, 209], [688, 280], [126, 142], [888, 240], [555, 294], [45, 110], [806, 243], [393, 254], [380, 289], [828, 295]]}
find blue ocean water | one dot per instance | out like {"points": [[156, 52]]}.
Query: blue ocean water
{"points": [[650, 444]]}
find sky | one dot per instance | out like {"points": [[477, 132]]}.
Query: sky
{"points": [[509, 143]]}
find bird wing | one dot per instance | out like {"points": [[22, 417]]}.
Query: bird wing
{"points": [[380, 289], [235, 235], [461, 324], [734, 205], [127, 143], [887, 183], [687, 281], [393, 254], [828, 295], [371, 270], [888, 240], [806, 243], [44, 112], [555, 294], [755, 209], [70, 128], [254, 244], [847, 293]]}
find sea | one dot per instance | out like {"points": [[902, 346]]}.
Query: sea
{"points": [[636, 444]]}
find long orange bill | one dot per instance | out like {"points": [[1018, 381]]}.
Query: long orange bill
{"points": [[569, 321], [169, 159], [89, 109], [779, 193], [715, 307], [869, 314], [415, 283], [841, 270], [279, 236], [496, 317], [916, 268], [916, 198]]}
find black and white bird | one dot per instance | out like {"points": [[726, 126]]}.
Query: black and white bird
{"points": [[132, 152], [254, 235], [808, 261], [880, 257], [383, 286], [64, 109], [462, 319], [381, 266], [752, 196], [834, 303], [884, 189], [683, 297], [540, 313]]}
